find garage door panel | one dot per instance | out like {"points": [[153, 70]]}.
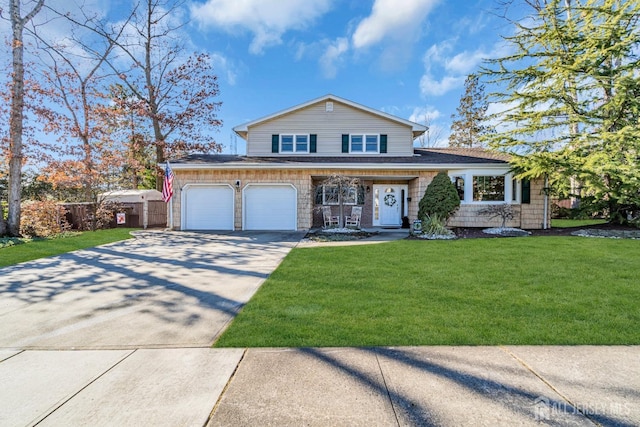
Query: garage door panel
{"points": [[209, 208], [270, 207]]}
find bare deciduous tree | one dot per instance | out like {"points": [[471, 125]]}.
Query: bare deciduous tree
{"points": [[342, 187], [18, 22]]}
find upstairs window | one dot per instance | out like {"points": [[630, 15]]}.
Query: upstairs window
{"points": [[294, 143], [364, 143]]}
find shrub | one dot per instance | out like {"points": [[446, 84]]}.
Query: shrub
{"points": [[503, 211], [441, 198], [434, 225], [42, 218], [106, 214]]}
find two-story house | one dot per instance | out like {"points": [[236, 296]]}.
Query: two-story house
{"points": [[278, 184]]}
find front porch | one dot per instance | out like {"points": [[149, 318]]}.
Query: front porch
{"points": [[385, 201]]}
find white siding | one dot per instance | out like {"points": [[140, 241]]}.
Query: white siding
{"points": [[330, 126]]}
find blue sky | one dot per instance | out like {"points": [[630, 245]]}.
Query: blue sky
{"points": [[405, 57]]}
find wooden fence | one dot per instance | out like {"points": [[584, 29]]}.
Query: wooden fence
{"points": [[78, 214]]}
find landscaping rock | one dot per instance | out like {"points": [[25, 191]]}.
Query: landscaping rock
{"points": [[506, 232], [611, 234]]}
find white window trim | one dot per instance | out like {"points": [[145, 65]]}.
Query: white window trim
{"points": [[295, 135], [324, 197], [364, 143], [468, 176]]}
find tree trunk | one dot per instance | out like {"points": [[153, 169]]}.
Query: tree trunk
{"points": [[15, 122], [17, 113], [3, 224]]}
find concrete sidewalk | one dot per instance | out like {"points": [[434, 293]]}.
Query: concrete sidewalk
{"points": [[405, 386], [146, 387], [434, 386]]}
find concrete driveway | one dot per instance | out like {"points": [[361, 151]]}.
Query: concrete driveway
{"points": [[162, 289], [143, 312]]}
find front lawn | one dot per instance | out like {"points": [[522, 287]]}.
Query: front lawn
{"points": [[534, 290], [40, 248], [570, 223]]}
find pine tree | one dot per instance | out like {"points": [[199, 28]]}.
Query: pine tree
{"points": [[571, 98], [469, 122]]}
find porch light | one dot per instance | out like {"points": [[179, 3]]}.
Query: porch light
{"points": [[238, 183]]}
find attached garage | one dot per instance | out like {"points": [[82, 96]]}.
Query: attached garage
{"points": [[207, 207], [270, 207]]}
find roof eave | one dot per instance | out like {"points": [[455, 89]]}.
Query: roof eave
{"points": [[340, 166]]}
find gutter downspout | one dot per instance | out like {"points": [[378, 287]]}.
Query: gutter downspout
{"points": [[545, 221]]}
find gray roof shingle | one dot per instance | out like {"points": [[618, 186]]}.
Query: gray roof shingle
{"points": [[421, 156]]}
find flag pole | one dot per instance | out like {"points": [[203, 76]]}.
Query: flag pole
{"points": [[171, 214]]}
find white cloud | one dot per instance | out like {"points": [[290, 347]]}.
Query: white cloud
{"points": [[431, 86], [424, 115], [454, 68], [267, 20], [465, 62], [332, 56], [390, 19]]}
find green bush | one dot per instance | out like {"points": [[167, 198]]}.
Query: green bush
{"points": [[42, 218], [441, 198], [435, 226]]}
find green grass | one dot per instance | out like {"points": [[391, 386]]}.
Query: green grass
{"points": [[48, 247], [569, 223], [534, 290]]}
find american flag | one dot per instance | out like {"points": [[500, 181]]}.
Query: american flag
{"points": [[167, 186]]}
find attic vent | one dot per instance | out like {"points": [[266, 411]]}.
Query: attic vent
{"points": [[329, 106]]}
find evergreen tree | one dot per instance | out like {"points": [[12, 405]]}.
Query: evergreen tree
{"points": [[571, 98], [440, 198], [469, 121]]}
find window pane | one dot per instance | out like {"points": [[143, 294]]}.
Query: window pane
{"points": [[351, 196], [459, 182], [302, 143], [488, 188], [372, 143], [330, 195], [287, 143], [356, 142]]}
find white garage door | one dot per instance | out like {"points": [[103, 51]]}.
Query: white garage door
{"points": [[208, 207], [270, 207]]}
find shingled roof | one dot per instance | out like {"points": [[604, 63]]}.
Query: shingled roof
{"points": [[421, 156]]}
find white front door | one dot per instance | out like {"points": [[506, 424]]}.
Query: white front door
{"points": [[388, 205]]}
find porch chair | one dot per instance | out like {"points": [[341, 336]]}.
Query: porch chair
{"points": [[329, 219], [353, 220]]}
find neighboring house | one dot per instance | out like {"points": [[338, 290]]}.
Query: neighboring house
{"points": [[277, 185]]}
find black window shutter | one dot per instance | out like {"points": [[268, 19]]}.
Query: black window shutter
{"points": [[275, 143], [345, 143], [313, 143], [526, 191], [383, 143]]}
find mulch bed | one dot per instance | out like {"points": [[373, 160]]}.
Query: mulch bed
{"points": [[472, 233]]}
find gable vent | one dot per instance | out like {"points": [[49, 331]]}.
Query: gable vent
{"points": [[329, 106]]}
